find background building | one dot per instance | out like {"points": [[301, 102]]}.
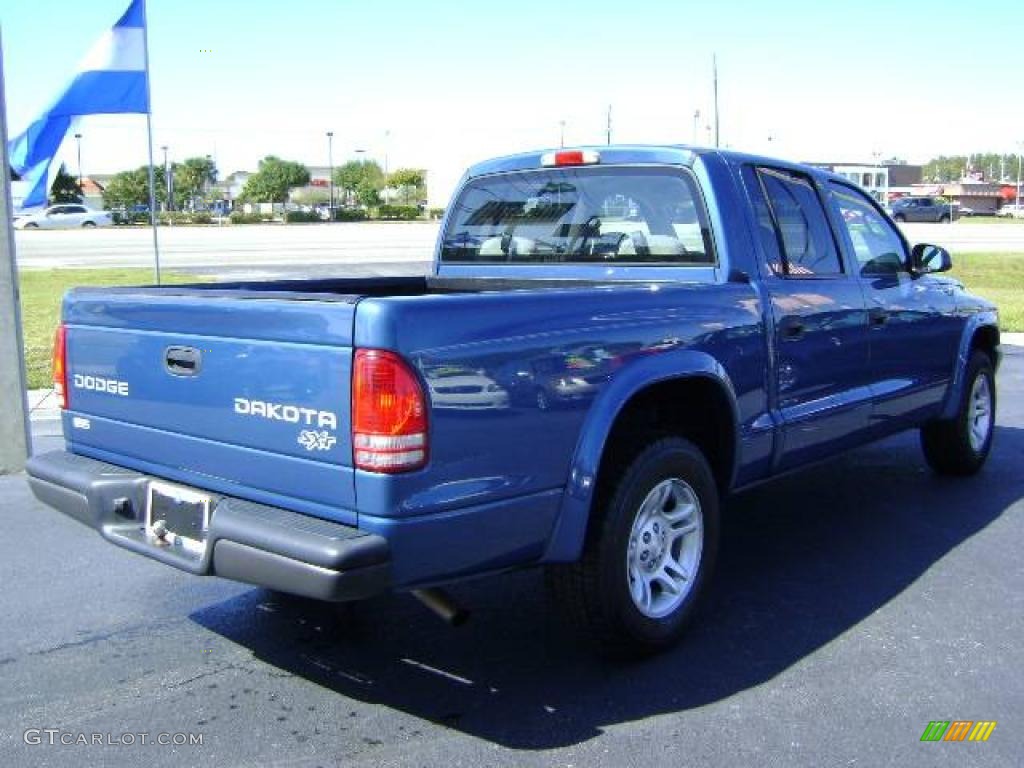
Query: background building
{"points": [[874, 179]]}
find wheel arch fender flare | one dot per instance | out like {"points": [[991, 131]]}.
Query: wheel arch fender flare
{"points": [[569, 532], [987, 319]]}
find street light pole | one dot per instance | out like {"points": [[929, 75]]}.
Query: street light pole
{"points": [[78, 138], [714, 66], [330, 177], [696, 120], [561, 133]]}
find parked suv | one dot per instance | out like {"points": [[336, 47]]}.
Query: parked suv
{"points": [[1011, 211], [922, 209]]}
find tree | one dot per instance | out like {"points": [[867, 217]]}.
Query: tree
{"points": [[368, 194], [192, 178], [409, 181], [126, 189], [994, 166], [274, 180], [65, 188], [311, 196], [129, 188], [358, 175]]}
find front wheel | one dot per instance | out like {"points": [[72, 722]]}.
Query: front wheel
{"points": [[649, 555], [900, 218], [960, 446], [88, 224]]}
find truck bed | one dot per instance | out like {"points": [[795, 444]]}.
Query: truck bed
{"points": [[268, 418], [350, 290]]}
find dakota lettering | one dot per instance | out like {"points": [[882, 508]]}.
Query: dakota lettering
{"points": [[292, 414]]}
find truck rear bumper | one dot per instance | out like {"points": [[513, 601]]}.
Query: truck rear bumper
{"points": [[245, 541]]}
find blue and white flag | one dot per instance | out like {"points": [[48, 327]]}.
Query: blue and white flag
{"points": [[111, 79]]}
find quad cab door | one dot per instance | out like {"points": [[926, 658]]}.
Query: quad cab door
{"points": [[819, 335], [915, 330]]}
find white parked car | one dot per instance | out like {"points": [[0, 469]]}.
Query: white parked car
{"points": [[466, 391], [1012, 210], [67, 216]]}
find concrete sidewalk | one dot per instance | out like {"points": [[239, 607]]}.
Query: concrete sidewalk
{"points": [[42, 405]]}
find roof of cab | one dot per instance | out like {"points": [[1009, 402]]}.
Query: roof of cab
{"points": [[633, 154]]}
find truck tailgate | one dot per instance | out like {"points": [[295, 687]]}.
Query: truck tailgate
{"points": [[245, 396]]}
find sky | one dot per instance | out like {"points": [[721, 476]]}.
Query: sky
{"points": [[440, 85]]}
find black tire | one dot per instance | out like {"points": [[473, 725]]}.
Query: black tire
{"points": [[32, 226], [88, 224], [947, 445], [900, 218], [595, 591], [944, 218]]}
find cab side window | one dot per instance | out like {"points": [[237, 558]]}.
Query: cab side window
{"points": [[805, 240], [877, 246]]}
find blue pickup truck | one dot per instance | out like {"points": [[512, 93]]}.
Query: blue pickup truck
{"points": [[612, 339]]}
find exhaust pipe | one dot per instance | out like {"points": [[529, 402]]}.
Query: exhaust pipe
{"points": [[442, 605]]}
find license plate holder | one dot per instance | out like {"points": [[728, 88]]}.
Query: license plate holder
{"points": [[178, 516]]}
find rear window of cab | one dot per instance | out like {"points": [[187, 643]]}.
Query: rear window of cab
{"points": [[619, 215]]}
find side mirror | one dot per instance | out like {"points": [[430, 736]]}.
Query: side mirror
{"points": [[925, 258]]}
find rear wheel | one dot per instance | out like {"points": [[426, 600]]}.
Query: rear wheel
{"points": [[944, 218], [960, 446], [31, 226], [649, 555], [899, 217], [88, 224]]}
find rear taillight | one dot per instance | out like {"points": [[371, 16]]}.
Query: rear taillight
{"points": [[389, 414], [60, 366]]}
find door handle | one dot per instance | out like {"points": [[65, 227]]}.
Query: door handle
{"points": [[878, 316], [182, 361], [792, 328]]}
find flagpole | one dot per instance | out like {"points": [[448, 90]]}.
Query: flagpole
{"points": [[15, 429], [149, 133]]}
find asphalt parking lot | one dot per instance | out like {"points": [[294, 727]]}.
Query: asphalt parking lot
{"points": [[855, 602]]}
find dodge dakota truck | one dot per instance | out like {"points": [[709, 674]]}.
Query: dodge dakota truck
{"points": [[611, 340]]}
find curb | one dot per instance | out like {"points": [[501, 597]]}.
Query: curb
{"points": [[1012, 339], [42, 405]]}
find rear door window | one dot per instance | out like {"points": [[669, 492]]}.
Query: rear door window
{"points": [[806, 245]]}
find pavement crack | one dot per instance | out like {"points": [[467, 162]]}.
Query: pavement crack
{"points": [[201, 675]]}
